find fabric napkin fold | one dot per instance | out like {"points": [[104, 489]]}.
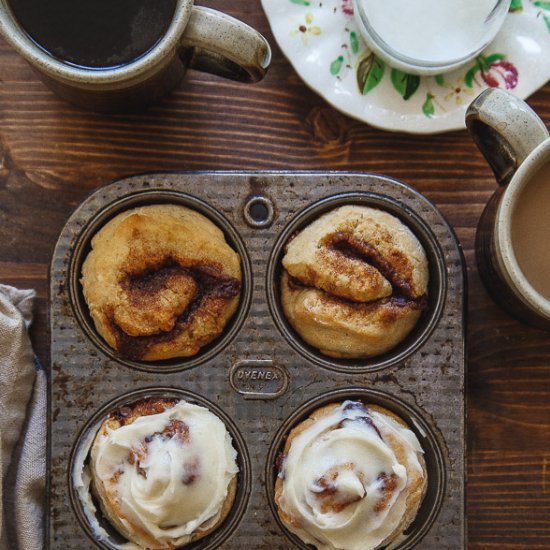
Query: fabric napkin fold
{"points": [[22, 426]]}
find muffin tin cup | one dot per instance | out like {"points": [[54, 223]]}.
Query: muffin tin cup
{"points": [[82, 247], [437, 288], [98, 529], [258, 376], [429, 440]]}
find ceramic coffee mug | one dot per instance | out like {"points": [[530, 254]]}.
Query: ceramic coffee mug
{"points": [[513, 237], [197, 37]]}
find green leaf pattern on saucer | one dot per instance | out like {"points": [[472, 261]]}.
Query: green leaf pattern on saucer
{"points": [[322, 41], [370, 71]]}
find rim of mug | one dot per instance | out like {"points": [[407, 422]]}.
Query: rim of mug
{"points": [[412, 64], [503, 231], [16, 36]]}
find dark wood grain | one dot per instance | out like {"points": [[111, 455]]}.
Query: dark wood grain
{"points": [[52, 155]]}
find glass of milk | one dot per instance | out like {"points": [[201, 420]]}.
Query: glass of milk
{"points": [[429, 36]]}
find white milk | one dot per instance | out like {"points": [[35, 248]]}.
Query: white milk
{"points": [[433, 31]]}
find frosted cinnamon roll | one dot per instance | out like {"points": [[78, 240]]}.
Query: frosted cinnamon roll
{"points": [[352, 477], [164, 472], [160, 282], [354, 282]]}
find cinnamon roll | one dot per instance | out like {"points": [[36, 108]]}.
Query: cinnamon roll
{"points": [[160, 282], [164, 472], [354, 282], [352, 477]]}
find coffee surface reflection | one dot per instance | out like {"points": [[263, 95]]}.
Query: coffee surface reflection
{"points": [[95, 33]]}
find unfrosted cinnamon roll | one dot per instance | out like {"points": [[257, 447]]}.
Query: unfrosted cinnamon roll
{"points": [[160, 282], [354, 282], [352, 477], [164, 472]]}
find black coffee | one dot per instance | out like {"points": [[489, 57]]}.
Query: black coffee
{"points": [[95, 33]]}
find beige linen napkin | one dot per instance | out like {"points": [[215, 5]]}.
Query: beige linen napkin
{"points": [[22, 426]]}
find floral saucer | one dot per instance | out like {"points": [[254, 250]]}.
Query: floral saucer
{"points": [[321, 40]]}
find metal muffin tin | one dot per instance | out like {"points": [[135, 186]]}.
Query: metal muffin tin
{"points": [[258, 375]]}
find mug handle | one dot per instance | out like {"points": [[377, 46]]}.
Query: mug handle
{"points": [[224, 46], [505, 129]]}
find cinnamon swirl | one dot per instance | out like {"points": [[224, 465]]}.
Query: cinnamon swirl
{"points": [[160, 282], [352, 477], [354, 282], [164, 472]]}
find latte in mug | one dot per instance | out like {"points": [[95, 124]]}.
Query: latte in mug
{"points": [[530, 231], [512, 239]]}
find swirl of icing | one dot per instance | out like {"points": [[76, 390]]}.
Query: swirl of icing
{"points": [[167, 478], [352, 478]]}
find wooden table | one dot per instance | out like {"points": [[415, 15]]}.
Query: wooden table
{"points": [[52, 155]]}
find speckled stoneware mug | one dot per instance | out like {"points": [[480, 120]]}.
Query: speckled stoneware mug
{"points": [[197, 37], [513, 237]]}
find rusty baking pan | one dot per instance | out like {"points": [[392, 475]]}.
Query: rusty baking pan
{"points": [[259, 376]]}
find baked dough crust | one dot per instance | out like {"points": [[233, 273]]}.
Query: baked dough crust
{"points": [[160, 282], [354, 282]]}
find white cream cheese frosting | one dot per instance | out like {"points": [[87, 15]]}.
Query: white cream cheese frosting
{"points": [[343, 484], [168, 473]]}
